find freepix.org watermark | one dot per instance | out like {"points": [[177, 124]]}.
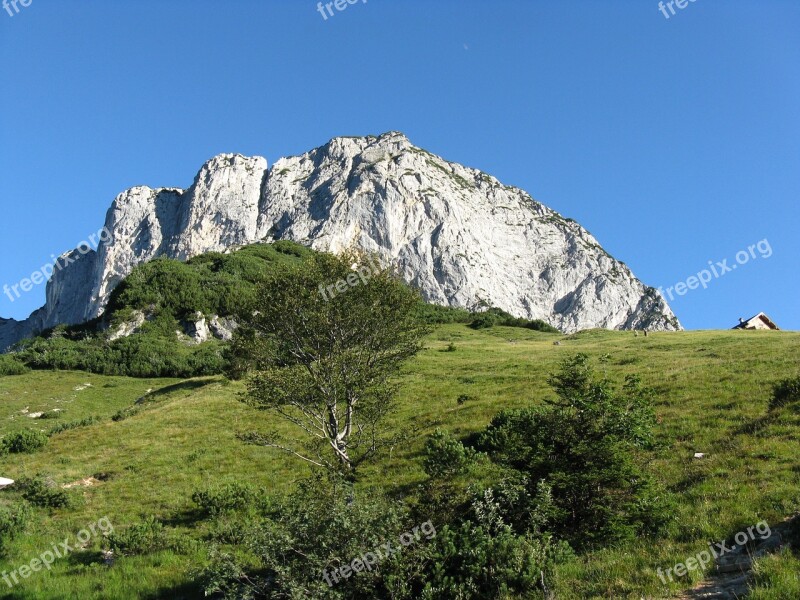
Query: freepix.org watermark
{"points": [[671, 4], [43, 275], [60, 550], [705, 557], [326, 10], [362, 273], [718, 269], [368, 560], [9, 4]]}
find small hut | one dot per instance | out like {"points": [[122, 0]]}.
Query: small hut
{"points": [[760, 321]]}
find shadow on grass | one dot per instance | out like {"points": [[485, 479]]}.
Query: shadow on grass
{"points": [[186, 517], [184, 591], [183, 386], [687, 483], [85, 558], [756, 426]]}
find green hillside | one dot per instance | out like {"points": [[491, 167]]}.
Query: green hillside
{"points": [[167, 294], [712, 391]]}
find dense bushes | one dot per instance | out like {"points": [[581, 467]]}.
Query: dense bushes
{"points": [[434, 314], [169, 293], [320, 527], [785, 392], [27, 440], [446, 456], [13, 518], [485, 561], [326, 524], [42, 492], [143, 355], [10, 364], [496, 316], [585, 447], [229, 497], [147, 537], [212, 283], [61, 427]]}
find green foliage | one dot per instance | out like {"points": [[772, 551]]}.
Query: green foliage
{"points": [[497, 316], [434, 314], [321, 526], [212, 283], [229, 497], [463, 398], [27, 441], [169, 293], [10, 364], [226, 577], [13, 520], [245, 352], [42, 492], [142, 538], [141, 355], [785, 392], [446, 456], [584, 447], [290, 248], [485, 320], [326, 364], [61, 427], [127, 412], [50, 414], [474, 561]]}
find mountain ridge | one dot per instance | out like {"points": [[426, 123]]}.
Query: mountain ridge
{"points": [[456, 233]]}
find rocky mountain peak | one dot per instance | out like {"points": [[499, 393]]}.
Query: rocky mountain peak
{"points": [[457, 234]]}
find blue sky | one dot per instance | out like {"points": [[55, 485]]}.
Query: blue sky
{"points": [[674, 141]]}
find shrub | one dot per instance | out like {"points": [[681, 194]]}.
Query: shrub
{"points": [[446, 456], [207, 359], [27, 440], [13, 519], [471, 560], [290, 248], [785, 392], [147, 537], [61, 427], [434, 314], [10, 364], [539, 325], [230, 497], [128, 411], [497, 316], [485, 320], [50, 414], [322, 525], [44, 493], [584, 446]]}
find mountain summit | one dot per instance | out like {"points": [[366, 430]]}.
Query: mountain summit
{"points": [[457, 234]]}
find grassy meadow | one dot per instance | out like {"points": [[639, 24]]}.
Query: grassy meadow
{"points": [[712, 394]]}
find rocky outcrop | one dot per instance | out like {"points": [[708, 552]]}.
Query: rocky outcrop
{"points": [[222, 328], [457, 234], [129, 327]]}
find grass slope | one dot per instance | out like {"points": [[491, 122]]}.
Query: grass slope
{"points": [[713, 391]]}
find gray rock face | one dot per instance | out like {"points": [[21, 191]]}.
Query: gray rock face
{"points": [[457, 234]]}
